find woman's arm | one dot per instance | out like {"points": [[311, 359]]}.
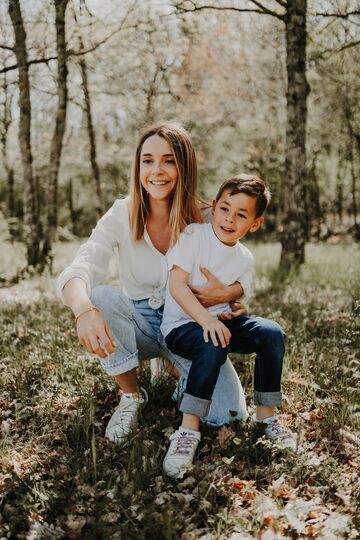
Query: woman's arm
{"points": [[91, 263], [92, 329]]}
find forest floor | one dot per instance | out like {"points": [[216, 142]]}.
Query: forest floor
{"points": [[60, 478]]}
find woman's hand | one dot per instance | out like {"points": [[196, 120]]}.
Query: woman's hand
{"points": [[213, 292], [217, 331], [237, 310], [94, 334]]}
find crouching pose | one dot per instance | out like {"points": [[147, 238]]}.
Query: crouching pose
{"points": [[122, 326]]}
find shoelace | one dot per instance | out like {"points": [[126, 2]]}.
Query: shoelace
{"points": [[126, 413], [184, 444], [279, 430]]}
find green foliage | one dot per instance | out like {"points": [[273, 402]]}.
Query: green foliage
{"points": [[60, 478]]}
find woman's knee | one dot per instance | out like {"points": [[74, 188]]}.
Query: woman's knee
{"points": [[110, 300]]}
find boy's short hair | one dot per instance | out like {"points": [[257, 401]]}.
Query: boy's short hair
{"points": [[250, 185]]}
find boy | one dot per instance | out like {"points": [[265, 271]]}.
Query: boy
{"points": [[197, 333]]}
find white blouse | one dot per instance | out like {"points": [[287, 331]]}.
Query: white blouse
{"points": [[143, 269]]}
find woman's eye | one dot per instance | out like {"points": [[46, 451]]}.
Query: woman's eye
{"points": [[146, 161], [170, 161]]}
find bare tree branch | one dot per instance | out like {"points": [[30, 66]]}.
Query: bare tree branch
{"points": [[6, 47], [266, 10], [29, 63], [262, 10], [339, 15], [69, 53], [348, 46]]}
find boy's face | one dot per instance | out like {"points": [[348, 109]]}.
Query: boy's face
{"points": [[234, 216]]}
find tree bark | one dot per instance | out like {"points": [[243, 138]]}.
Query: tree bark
{"points": [[31, 217], [73, 212], [59, 131], [350, 153], [339, 201], [293, 236], [5, 124], [92, 140]]}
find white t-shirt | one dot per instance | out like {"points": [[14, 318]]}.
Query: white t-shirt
{"points": [[199, 246]]}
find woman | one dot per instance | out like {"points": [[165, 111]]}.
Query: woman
{"points": [[123, 327]]}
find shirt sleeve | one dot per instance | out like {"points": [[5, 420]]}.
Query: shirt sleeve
{"points": [[186, 249], [91, 263]]}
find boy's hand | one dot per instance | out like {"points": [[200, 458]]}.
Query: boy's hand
{"points": [[217, 331], [237, 310]]}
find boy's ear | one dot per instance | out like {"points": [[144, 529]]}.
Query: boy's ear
{"points": [[257, 224], [213, 206]]}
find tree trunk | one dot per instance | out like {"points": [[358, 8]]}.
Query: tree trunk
{"points": [[92, 140], [31, 218], [339, 201], [352, 140], [6, 122], [58, 136], [73, 213], [293, 235]]}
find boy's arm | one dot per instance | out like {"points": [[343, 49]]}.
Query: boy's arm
{"points": [[214, 292], [186, 299]]}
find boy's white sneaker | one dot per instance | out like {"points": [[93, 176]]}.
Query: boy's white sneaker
{"points": [[278, 433], [125, 416], [180, 455]]}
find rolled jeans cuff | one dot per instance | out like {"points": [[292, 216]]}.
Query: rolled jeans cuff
{"points": [[267, 399], [194, 405], [117, 366]]}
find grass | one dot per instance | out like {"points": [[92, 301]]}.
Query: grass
{"points": [[61, 479]]}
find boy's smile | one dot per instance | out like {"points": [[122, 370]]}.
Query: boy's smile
{"points": [[234, 216]]}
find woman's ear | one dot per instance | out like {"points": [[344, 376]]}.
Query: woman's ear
{"points": [[257, 224]]}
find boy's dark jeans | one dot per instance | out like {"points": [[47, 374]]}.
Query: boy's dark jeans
{"points": [[248, 335]]}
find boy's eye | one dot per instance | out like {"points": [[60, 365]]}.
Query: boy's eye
{"points": [[223, 208], [242, 216]]}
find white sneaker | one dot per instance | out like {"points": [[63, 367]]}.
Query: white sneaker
{"points": [[125, 416], [180, 454], [278, 433]]}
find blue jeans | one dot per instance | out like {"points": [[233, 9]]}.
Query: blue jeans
{"points": [[136, 330], [248, 335]]}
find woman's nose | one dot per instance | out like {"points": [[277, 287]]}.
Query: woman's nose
{"points": [[156, 167]]}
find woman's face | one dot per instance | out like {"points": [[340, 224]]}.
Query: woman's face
{"points": [[158, 171]]}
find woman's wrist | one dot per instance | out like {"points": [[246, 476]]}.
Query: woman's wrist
{"points": [[75, 295], [234, 292], [84, 311]]}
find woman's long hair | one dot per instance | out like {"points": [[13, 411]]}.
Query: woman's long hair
{"points": [[185, 204]]}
